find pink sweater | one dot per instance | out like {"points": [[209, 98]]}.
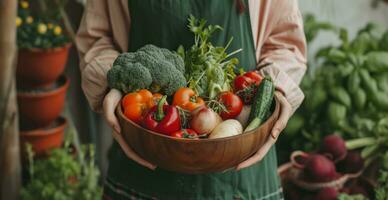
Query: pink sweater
{"points": [[277, 29]]}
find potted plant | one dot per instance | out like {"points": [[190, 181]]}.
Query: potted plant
{"points": [[62, 175], [39, 107], [44, 139], [43, 46]]}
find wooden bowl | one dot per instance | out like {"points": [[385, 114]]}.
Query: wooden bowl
{"points": [[195, 156]]}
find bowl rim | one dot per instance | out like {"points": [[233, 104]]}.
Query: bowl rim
{"points": [[55, 91], [38, 132], [120, 113]]}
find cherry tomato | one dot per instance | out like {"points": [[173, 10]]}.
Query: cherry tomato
{"points": [[233, 104], [241, 82], [256, 77], [246, 80], [185, 133]]}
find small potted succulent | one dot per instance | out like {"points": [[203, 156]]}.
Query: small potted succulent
{"points": [[43, 46]]}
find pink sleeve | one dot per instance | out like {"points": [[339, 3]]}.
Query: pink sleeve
{"points": [[97, 51], [285, 49]]}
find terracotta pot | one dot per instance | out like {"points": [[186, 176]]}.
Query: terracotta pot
{"points": [[195, 156], [44, 139], [37, 68], [39, 109]]}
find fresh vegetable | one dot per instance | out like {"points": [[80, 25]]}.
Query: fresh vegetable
{"points": [[187, 99], [316, 167], [335, 146], [244, 85], [261, 104], [232, 103], [136, 104], [204, 120], [185, 133], [209, 69], [243, 117], [227, 128], [163, 118], [327, 194], [151, 67], [353, 163]]}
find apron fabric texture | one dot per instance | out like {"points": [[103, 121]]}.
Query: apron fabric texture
{"points": [[164, 24]]}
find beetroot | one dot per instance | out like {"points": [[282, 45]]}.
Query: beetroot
{"points": [[319, 168], [352, 163], [335, 146], [327, 194]]}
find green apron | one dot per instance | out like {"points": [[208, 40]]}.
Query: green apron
{"points": [[164, 23]]}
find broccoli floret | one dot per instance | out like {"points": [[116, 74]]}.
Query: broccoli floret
{"points": [[129, 77], [161, 69], [175, 59]]}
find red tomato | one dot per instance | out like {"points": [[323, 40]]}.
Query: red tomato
{"points": [[241, 82], [246, 80], [233, 104], [256, 77], [185, 133]]}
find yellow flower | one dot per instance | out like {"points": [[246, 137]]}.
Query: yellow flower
{"points": [[24, 4], [29, 20], [57, 30], [19, 21], [42, 28], [50, 25]]}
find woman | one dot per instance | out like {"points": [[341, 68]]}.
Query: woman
{"points": [[267, 31]]}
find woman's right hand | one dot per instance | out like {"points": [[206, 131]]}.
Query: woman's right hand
{"points": [[111, 100]]}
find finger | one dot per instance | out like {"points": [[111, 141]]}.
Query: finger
{"points": [[110, 103], [131, 154], [285, 113], [259, 155]]}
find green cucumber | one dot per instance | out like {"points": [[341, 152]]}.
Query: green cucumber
{"points": [[261, 103]]}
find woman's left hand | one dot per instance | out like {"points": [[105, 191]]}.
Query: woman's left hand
{"points": [[285, 114]]}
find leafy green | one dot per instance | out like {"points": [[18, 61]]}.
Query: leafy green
{"points": [[209, 69], [61, 176]]}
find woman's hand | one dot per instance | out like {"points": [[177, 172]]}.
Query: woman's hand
{"points": [[111, 100], [285, 114]]}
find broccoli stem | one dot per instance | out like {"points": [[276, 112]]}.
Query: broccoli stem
{"points": [[160, 112]]}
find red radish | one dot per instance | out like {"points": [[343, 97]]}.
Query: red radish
{"points": [[335, 146], [204, 120], [316, 167], [327, 194], [353, 163]]}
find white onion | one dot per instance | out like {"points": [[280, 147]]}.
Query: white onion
{"points": [[204, 120]]}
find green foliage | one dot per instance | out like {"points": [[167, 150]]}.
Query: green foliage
{"points": [[61, 176], [209, 69], [40, 29], [346, 94], [382, 190], [151, 67], [344, 196], [312, 27]]}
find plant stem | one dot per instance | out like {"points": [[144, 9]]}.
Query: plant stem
{"points": [[160, 112], [360, 142]]}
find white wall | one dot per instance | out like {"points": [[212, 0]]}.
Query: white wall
{"points": [[350, 14]]}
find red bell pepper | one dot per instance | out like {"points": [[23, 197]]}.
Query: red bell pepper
{"points": [[163, 118]]}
